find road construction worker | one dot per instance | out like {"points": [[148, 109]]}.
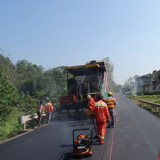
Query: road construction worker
{"points": [[40, 109], [91, 105], [101, 114], [111, 102], [91, 102], [49, 110]]}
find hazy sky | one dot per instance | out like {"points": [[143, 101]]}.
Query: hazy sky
{"points": [[56, 33]]}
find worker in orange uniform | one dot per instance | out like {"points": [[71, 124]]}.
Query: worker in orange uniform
{"points": [[49, 110], [40, 109], [91, 105], [111, 102], [101, 115], [91, 102]]}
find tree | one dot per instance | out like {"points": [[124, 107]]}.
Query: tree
{"points": [[30, 78], [118, 87], [8, 96], [109, 69], [130, 80], [8, 67], [126, 87], [56, 83], [136, 76]]}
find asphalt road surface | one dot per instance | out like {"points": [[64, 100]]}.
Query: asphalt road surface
{"points": [[136, 137]]}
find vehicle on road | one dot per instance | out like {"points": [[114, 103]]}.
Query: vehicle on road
{"points": [[90, 78]]}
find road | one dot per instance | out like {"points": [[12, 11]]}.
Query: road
{"points": [[136, 137]]}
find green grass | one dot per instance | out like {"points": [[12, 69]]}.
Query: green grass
{"points": [[150, 98], [10, 127]]}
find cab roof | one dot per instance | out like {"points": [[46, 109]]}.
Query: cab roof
{"points": [[88, 69]]}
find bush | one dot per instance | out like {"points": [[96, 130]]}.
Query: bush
{"points": [[152, 93], [10, 127]]}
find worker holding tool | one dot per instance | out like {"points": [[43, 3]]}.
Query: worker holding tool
{"points": [[49, 110], [91, 105], [101, 115], [111, 102], [39, 111], [91, 102]]}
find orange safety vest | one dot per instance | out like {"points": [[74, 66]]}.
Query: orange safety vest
{"points": [[101, 111], [49, 107], [40, 107], [110, 102]]}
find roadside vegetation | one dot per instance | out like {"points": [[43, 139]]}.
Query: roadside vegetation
{"points": [[150, 98], [136, 91], [23, 84]]}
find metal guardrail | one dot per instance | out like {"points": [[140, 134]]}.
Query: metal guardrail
{"points": [[150, 105], [24, 119]]}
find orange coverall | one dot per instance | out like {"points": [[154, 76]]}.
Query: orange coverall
{"points": [[101, 114], [91, 103]]}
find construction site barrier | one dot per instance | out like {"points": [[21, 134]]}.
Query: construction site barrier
{"points": [[150, 105], [24, 119]]}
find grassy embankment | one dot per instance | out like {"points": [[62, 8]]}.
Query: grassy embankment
{"points": [[150, 98], [11, 126]]}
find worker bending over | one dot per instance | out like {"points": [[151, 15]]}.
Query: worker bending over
{"points": [[111, 102], [101, 114]]}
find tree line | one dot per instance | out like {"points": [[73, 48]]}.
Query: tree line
{"points": [[22, 85]]}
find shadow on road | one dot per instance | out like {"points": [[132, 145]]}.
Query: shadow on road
{"points": [[65, 145], [69, 156], [66, 156]]}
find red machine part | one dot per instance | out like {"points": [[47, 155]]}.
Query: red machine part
{"points": [[67, 99]]}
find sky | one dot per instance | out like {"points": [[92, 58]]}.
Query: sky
{"points": [[54, 33]]}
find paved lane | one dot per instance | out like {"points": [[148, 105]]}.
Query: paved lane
{"points": [[52, 142], [136, 137]]}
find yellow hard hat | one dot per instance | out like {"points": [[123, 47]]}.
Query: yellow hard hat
{"points": [[88, 96], [110, 93]]}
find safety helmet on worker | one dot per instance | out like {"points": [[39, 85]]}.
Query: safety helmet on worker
{"points": [[109, 93], [88, 96], [41, 101]]}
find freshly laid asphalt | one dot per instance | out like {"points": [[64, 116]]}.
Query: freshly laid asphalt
{"points": [[136, 137]]}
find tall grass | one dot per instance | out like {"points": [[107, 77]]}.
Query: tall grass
{"points": [[10, 127]]}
